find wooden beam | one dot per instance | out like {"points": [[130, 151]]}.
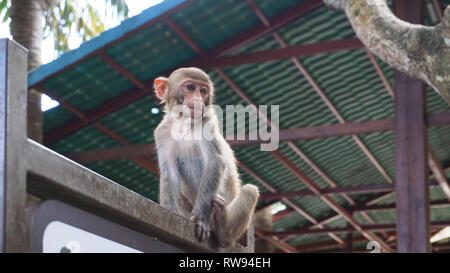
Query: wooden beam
{"points": [[413, 220]]}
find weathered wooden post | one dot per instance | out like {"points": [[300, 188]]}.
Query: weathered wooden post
{"points": [[13, 103]]}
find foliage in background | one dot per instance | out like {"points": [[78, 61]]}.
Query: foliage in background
{"points": [[64, 18]]}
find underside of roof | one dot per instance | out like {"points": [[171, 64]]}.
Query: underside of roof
{"points": [[148, 45]]}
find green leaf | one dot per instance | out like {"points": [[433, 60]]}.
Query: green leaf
{"points": [[3, 6]]}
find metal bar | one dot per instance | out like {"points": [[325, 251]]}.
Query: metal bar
{"points": [[330, 202], [93, 115], [413, 220], [311, 81], [86, 118], [438, 8], [366, 208], [379, 72], [119, 68], [271, 239], [134, 94], [306, 133], [364, 228], [327, 244], [275, 23], [325, 99], [148, 164], [329, 191], [247, 99], [433, 204], [327, 200], [438, 172], [285, 247], [280, 53], [285, 200]]}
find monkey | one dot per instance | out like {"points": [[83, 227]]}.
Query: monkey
{"points": [[198, 176]]}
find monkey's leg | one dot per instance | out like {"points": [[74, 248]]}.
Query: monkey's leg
{"points": [[231, 221]]}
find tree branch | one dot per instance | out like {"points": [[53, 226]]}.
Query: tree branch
{"points": [[419, 51]]}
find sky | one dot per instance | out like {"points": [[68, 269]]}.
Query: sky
{"points": [[135, 7]]}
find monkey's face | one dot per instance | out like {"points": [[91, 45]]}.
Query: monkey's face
{"points": [[187, 87], [195, 95]]}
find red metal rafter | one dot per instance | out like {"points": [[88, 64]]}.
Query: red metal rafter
{"points": [[280, 53], [329, 244], [300, 67], [149, 164], [365, 228], [366, 208], [288, 202], [438, 8], [305, 133], [273, 240], [134, 94], [330, 202], [327, 102]]}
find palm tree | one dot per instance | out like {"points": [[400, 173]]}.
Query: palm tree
{"points": [[62, 17]]}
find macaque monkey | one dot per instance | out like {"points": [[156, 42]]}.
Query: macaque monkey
{"points": [[198, 176]]}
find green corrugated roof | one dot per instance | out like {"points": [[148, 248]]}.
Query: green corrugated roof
{"points": [[347, 77]]}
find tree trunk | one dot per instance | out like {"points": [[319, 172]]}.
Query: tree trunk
{"points": [[26, 29], [419, 51]]}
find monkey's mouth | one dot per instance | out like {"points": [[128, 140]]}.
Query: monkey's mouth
{"points": [[195, 109]]}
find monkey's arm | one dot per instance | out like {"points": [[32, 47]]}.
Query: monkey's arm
{"points": [[169, 185], [212, 173]]}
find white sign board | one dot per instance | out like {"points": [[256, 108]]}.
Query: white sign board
{"points": [[60, 228], [64, 238]]}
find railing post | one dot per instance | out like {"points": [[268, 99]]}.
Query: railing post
{"points": [[13, 103]]}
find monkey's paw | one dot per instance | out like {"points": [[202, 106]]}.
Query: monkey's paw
{"points": [[201, 229]]}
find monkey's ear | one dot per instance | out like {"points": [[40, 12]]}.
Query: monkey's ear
{"points": [[161, 85]]}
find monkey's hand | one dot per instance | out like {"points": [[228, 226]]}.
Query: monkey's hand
{"points": [[201, 229]]}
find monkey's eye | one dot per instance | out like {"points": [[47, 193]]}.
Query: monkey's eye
{"points": [[204, 91], [190, 86]]}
